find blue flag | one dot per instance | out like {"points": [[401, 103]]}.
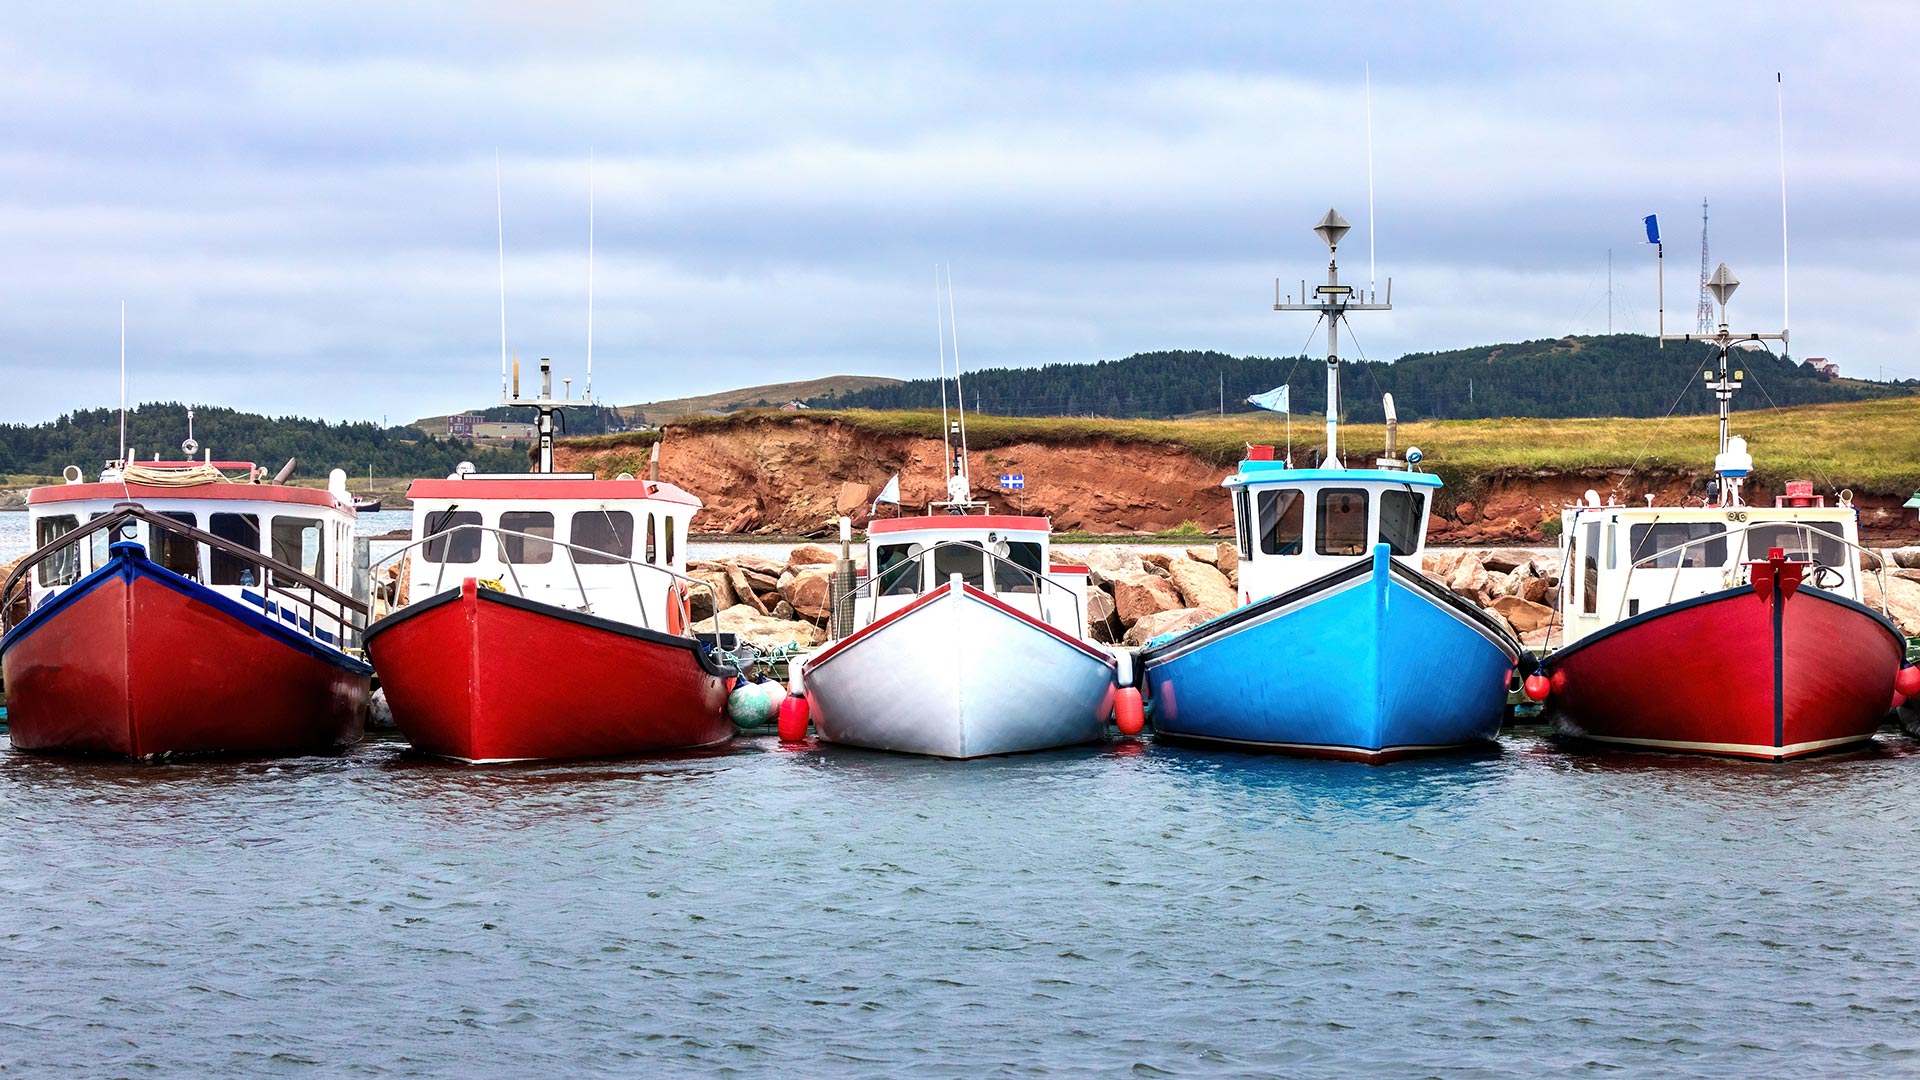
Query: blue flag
{"points": [[1274, 400], [1653, 228]]}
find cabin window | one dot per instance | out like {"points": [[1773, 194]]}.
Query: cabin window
{"points": [[1808, 541], [1340, 526], [1590, 569], [173, 551], [1242, 522], [667, 530], [1019, 570], [297, 542], [898, 577], [100, 540], [524, 550], [609, 531], [1402, 521], [1661, 544], [63, 566], [242, 529], [459, 547], [653, 550], [966, 559], [1283, 521]]}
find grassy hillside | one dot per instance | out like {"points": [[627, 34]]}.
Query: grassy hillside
{"points": [[659, 412], [1871, 446]]}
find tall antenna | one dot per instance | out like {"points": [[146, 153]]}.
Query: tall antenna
{"points": [[1609, 290], [959, 391], [1780, 102], [940, 322], [1370, 277], [589, 273], [500, 221], [123, 382], [1703, 313]]}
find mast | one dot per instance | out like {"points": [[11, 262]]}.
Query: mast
{"points": [[1732, 462], [1333, 300]]}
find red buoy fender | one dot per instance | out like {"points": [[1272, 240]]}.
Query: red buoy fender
{"points": [[1538, 686], [793, 718], [1907, 680], [1129, 714]]}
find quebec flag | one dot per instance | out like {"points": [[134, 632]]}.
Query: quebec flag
{"points": [[1274, 400]]}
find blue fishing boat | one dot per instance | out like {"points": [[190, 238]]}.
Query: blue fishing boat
{"points": [[1342, 646]]}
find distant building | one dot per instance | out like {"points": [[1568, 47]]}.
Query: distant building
{"points": [[461, 427], [1824, 366], [796, 404]]}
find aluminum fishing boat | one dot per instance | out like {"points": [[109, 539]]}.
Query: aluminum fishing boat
{"points": [[545, 615], [1343, 648], [185, 607], [1717, 626]]}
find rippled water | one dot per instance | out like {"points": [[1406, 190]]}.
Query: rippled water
{"points": [[1142, 911]]}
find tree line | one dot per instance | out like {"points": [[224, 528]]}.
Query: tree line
{"points": [[91, 437], [1605, 375]]}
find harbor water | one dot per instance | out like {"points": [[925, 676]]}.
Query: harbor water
{"points": [[1126, 910]]}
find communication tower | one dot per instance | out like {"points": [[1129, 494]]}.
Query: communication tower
{"points": [[1704, 312]]}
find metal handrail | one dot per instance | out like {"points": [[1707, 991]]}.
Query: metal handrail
{"points": [[573, 564], [272, 569], [875, 575], [1807, 530]]}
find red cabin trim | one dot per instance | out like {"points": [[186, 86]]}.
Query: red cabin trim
{"points": [[539, 490], [1003, 522], [1058, 568], [280, 493]]}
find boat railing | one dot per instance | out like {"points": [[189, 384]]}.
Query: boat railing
{"points": [[1807, 532], [893, 573], [278, 581], [634, 566]]}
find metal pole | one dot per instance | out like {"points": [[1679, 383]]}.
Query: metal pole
{"points": [[1333, 368]]}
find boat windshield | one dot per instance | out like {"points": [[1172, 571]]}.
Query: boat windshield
{"points": [[1283, 521], [896, 577], [1803, 541], [968, 560], [1659, 544], [1341, 524], [1402, 521], [1019, 570]]}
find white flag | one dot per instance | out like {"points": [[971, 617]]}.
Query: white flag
{"points": [[888, 494], [1274, 400]]}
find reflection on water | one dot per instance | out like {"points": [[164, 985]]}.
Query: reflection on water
{"points": [[819, 911]]}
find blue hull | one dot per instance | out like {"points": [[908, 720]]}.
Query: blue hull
{"points": [[1371, 662]]}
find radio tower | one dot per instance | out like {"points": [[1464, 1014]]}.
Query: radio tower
{"points": [[1705, 311]]}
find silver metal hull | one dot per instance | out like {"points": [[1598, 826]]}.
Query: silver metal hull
{"points": [[959, 675]]}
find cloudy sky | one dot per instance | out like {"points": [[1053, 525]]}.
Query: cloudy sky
{"points": [[296, 202]]}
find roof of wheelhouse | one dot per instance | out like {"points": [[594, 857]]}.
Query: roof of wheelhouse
{"points": [[540, 487], [1268, 472]]}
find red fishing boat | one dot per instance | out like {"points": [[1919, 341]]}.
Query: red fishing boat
{"points": [[172, 610], [552, 619], [1720, 627]]}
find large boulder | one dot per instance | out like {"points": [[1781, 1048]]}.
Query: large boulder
{"points": [[744, 590], [1164, 560], [1469, 580], [1164, 622], [1140, 594], [1441, 565], [853, 499], [1102, 624], [1210, 554], [1105, 563], [812, 555], [1506, 560], [1201, 586], [762, 631], [719, 597], [1522, 614], [811, 592], [1901, 599], [1226, 558], [771, 569]]}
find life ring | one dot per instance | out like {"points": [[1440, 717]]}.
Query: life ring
{"points": [[679, 609]]}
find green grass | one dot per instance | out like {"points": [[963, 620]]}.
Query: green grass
{"points": [[1870, 446]]}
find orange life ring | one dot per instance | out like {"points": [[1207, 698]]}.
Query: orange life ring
{"points": [[679, 609]]}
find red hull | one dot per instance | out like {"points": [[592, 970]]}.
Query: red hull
{"points": [[1702, 676], [136, 666], [482, 676]]}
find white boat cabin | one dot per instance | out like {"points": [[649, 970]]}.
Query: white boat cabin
{"points": [[1622, 560], [309, 529], [1294, 525], [1004, 556], [564, 539]]}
